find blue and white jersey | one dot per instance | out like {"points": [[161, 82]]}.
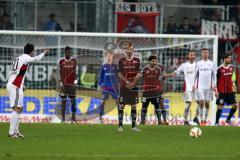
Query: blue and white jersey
{"points": [[108, 77]]}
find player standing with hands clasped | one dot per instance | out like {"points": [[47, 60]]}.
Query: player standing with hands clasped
{"points": [[129, 74]]}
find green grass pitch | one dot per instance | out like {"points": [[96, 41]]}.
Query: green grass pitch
{"points": [[103, 142]]}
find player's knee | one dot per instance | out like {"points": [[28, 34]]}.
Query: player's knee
{"points": [[235, 106], [207, 105], [18, 109], [201, 104], [220, 106], [64, 102]]}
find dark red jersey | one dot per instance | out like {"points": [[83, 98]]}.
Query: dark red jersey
{"points": [[129, 68], [67, 70], [224, 79], [151, 81]]}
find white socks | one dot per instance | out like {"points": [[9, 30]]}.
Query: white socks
{"points": [[14, 123]]}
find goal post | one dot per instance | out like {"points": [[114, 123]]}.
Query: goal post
{"points": [[41, 97]]}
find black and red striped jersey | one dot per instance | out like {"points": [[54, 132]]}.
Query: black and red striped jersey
{"points": [[224, 79], [68, 69], [129, 68]]}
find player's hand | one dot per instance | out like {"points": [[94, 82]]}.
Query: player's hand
{"points": [[46, 51], [75, 82], [24, 88], [165, 76], [216, 94], [130, 85], [99, 89]]}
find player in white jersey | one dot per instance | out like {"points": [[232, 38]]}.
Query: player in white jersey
{"points": [[188, 70], [16, 83], [205, 84]]}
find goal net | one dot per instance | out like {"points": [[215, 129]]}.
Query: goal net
{"points": [[42, 102]]}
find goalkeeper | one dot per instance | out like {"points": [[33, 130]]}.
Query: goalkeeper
{"points": [[108, 82]]}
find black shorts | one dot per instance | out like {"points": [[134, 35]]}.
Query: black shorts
{"points": [[155, 101], [228, 98], [128, 96], [68, 91]]}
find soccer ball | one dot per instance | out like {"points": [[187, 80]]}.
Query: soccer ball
{"points": [[195, 132]]}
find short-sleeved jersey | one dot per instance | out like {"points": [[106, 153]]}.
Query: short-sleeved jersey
{"points": [[151, 81], [188, 70], [108, 78], [205, 75], [129, 68], [19, 68], [67, 70], [224, 79]]}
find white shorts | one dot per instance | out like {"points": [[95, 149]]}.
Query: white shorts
{"points": [[204, 95], [188, 96], [15, 96]]}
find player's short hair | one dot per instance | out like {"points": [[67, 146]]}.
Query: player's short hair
{"points": [[28, 48], [226, 55], [152, 57], [108, 52], [204, 49], [191, 50], [67, 48], [129, 44]]}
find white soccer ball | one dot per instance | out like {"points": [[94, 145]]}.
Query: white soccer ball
{"points": [[195, 132]]}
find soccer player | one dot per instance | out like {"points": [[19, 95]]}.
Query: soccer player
{"points": [[225, 89], [68, 81], [15, 86], [129, 74], [153, 90], [188, 70], [205, 84], [108, 82]]}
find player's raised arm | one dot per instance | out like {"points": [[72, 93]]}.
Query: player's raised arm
{"points": [[38, 57]]}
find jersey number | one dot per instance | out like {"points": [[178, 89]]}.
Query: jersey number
{"points": [[15, 65]]}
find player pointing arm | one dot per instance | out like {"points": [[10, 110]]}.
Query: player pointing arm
{"points": [[16, 83]]}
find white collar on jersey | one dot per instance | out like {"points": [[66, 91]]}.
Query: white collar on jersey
{"points": [[229, 65], [68, 59], [130, 58], [151, 68], [192, 62]]}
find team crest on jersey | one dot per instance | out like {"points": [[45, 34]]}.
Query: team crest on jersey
{"points": [[105, 68], [231, 69]]}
